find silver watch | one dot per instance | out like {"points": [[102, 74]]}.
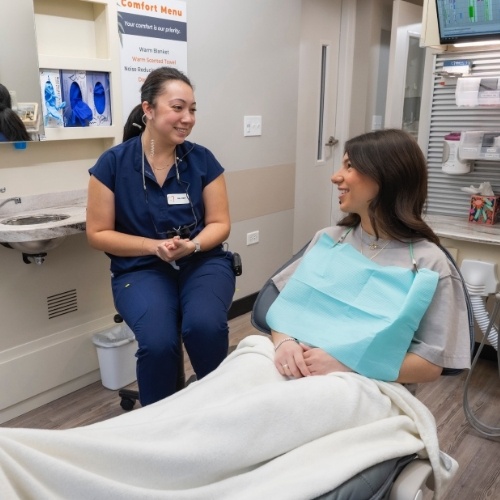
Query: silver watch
{"points": [[197, 246]]}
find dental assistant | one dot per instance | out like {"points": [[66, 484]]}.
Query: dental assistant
{"points": [[158, 206]]}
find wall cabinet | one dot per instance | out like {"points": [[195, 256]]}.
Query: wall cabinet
{"points": [[80, 35]]}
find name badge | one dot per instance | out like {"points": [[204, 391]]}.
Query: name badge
{"points": [[177, 199]]}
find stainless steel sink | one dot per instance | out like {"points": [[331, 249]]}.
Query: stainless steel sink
{"points": [[33, 247], [29, 220], [35, 224]]}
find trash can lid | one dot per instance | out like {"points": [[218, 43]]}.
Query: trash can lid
{"points": [[115, 337]]}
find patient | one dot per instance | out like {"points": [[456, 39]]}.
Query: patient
{"points": [[291, 419], [382, 187]]}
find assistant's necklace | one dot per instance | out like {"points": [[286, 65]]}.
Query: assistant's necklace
{"points": [[152, 155], [371, 246], [143, 155]]}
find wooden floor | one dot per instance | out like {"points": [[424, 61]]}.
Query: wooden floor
{"points": [[479, 458]]}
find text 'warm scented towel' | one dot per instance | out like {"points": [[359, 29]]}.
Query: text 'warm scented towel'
{"points": [[363, 314]]}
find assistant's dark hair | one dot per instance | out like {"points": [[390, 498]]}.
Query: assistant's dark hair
{"points": [[394, 160], [134, 124], [11, 125], [153, 86]]}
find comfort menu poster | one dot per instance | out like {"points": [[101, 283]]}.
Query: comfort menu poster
{"points": [[152, 34]]}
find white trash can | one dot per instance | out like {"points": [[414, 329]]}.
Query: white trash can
{"points": [[116, 350]]}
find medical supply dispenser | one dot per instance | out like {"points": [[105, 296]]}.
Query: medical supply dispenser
{"points": [[480, 145], [478, 92], [453, 164]]}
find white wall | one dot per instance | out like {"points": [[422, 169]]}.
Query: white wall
{"points": [[243, 60], [18, 72]]}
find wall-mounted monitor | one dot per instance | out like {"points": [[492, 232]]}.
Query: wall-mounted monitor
{"points": [[463, 21]]}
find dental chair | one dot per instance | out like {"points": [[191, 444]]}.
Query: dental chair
{"points": [[397, 479]]}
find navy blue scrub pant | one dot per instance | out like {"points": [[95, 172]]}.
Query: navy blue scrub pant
{"points": [[154, 302]]}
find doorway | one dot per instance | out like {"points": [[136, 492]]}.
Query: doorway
{"points": [[316, 120]]}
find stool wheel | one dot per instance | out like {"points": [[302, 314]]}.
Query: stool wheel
{"points": [[127, 404]]}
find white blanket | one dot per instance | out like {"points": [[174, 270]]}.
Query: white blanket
{"points": [[242, 432]]}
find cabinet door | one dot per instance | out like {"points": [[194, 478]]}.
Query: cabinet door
{"points": [[404, 88]]}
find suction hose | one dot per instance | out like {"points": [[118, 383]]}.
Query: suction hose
{"points": [[481, 281], [482, 318], [485, 430]]}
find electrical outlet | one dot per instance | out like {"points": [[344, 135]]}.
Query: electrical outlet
{"points": [[252, 238], [252, 126]]}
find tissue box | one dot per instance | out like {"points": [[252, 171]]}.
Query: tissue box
{"points": [[484, 209]]}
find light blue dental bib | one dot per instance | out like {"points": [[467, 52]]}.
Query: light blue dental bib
{"points": [[361, 313]]}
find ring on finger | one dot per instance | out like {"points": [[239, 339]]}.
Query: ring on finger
{"points": [[285, 366]]}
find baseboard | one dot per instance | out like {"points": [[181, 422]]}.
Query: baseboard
{"points": [[242, 306], [45, 369]]}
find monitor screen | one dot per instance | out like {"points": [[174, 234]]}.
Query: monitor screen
{"points": [[468, 20]]}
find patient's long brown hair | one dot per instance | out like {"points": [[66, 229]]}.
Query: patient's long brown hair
{"points": [[394, 160]]}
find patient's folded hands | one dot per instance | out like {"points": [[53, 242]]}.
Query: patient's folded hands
{"points": [[319, 362], [289, 360], [298, 360]]}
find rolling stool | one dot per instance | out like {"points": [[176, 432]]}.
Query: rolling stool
{"points": [[130, 396]]}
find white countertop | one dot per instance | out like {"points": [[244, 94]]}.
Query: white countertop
{"points": [[459, 228], [72, 203]]}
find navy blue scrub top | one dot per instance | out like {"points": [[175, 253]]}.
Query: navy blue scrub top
{"points": [[147, 212]]}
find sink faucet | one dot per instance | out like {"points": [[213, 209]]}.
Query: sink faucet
{"points": [[15, 199]]}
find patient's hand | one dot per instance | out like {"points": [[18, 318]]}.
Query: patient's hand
{"points": [[289, 360], [319, 362]]}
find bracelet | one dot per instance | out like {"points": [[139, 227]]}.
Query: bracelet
{"points": [[283, 341], [142, 246]]}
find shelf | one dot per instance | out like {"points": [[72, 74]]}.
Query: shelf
{"points": [[72, 133], [80, 36], [74, 63], [72, 29]]}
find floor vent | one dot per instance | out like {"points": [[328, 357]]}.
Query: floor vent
{"points": [[62, 303]]}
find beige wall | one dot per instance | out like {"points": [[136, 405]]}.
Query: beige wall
{"points": [[243, 60]]}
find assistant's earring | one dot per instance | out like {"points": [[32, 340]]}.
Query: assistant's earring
{"points": [[144, 119]]}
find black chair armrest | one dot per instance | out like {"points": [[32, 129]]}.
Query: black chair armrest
{"points": [[267, 296]]}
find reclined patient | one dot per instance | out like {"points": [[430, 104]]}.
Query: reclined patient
{"points": [[373, 304]]}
